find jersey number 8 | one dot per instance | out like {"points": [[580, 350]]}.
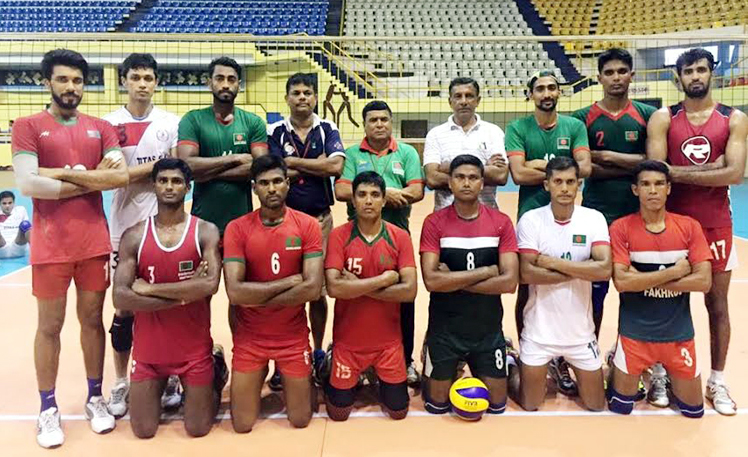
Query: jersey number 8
{"points": [[470, 261]]}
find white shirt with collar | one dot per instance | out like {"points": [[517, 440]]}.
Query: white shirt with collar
{"points": [[448, 140]]}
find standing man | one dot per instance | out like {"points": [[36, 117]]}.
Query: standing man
{"points": [[218, 143], [313, 152], [617, 135], [658, 258], [464, 133], [15, 227], [370, 270], [146, 134], [64, 159], [169, 266], [272, 268], [468, 259], [563, 248], [400, 167], [705, 144], [531, 142]]}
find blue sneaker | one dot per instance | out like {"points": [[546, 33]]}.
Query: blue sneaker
{"points": [[318, 363]]}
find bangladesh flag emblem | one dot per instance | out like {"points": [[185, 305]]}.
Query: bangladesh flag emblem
{"points": [[579, 240], [563, 143], [293, 243], [397, 168], [186, 266], [239, 139], [632, 135]]}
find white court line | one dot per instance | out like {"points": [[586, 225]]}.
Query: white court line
{"points": [[370, 414]]}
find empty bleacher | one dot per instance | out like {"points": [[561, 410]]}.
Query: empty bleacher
{"points": [[63, 15], [501, 65], [258, 17], [662, 16], [567, 18]]}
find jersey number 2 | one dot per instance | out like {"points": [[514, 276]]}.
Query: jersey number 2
{"points": [[600, 135]]}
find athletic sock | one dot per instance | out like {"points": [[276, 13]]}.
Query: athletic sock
{"points": [[94, 388], [717, 377], [619, 403], [496, 408], [690, 411], [118, 381], [48, 399]]}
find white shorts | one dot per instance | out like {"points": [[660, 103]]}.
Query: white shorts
{"points": [[582, 356], [12, 250]]}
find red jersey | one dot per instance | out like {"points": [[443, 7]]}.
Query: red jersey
{"points": [[178, 334], [690, 145], [271, 253], [364, 322], [75, 228]]}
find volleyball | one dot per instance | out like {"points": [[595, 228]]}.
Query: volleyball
{"points": [[469, 398]]}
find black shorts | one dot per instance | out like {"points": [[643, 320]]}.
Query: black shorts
{"points": [[485, 355]]}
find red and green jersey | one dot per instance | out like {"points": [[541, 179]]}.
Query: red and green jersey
{"points": [[70, 229], [271, 253], [625, 132], [219, 201], [364, 322]]}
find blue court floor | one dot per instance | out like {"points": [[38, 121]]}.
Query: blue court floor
{"points": [[738, 196]]}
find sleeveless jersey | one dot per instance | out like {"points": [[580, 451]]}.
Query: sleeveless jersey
{"points": [[178, 334], [142, 141], [466, 245], [690, 145]]}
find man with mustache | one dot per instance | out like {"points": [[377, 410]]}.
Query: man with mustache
{"points": [[531, 142], [704, 142], [64, 159], [313, 152]]}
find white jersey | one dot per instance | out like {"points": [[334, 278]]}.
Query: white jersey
{"points": [[142, 141], [561, 314], [9, 224]]}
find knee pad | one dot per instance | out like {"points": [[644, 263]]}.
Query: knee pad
{"points": [[394, 396], [434, 407], [121, 332], [496, 408], [619, 403], [690, 411], [342, 398]]}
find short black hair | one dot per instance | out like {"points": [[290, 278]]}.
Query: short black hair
{"points": [[171, 163], [463, 80], [306, 79], [369, 177], [614, 54], [376, 105], [7, 194], [692, 56], [560, 164], [64, 57], [224, 62], [651, 165], [465, 159], [137, 60], [266, 163]]}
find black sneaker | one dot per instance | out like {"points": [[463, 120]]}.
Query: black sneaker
{"points": [[559, 371], [220, 369], [275, 383]]}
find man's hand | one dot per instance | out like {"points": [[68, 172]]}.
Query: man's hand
{"points": [[347, 275], [110, 161], [443, 267], [395, 198], [599, 157], [497, 160], [545, 261], [392, 276], [444, 167], [202, 269], [682, 267], [537, 164], [53, 173], [141, 286]]}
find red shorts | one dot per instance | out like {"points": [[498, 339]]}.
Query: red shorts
{"points": [[720, 242], [679, 357], [51, 280], [193, 373], [347, 365], [291, 358]]}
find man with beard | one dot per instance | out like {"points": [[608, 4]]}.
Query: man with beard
{"points": [[704, 142], [218, 143], [531, 142], [64, 159], [617, 133]]}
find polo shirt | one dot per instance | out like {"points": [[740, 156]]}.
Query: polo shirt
{"points": [[309, 194], [399, 165], [448, 140]]}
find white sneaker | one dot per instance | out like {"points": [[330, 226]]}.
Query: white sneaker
{"points": [[413, 376], [172, 397], [719, 396], [118, 399], [657, 394], [98, 415], [49, 430]]}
